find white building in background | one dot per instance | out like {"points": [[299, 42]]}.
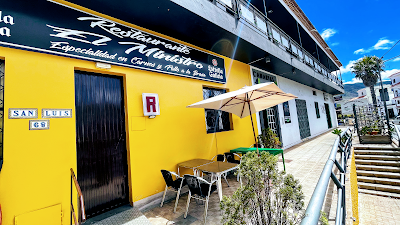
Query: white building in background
{"points": [[365, 98], [360, 100], [395, 79]]}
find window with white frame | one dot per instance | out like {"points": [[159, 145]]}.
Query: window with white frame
{"points": [[227, 2], [261, 24], [246, 13]]}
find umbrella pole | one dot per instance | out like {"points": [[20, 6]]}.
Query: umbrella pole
{"points": [[254, 133], [252, 124]]}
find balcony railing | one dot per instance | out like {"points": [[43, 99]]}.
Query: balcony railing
{"points": [[246, 11]]}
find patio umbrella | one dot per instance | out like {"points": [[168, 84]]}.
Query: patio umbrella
{"points": [[246, 101]]}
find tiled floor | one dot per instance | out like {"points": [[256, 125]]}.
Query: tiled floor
{"points": [[126, 215], [377, 210], [165, 214], [305, 161]]}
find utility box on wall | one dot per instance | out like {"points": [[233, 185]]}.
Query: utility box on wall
{"points": [[47, 216]]}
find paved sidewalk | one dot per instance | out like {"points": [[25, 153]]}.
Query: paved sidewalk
{"points": [[377, 210], [305, 161]]}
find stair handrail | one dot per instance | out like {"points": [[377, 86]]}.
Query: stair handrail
{"points": [[397, 133], [314, 207], [81, 205]]}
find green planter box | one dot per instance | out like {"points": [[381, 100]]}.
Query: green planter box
{"points": [[375, 139]]}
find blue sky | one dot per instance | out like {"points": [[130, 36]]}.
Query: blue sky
{"points": [[355, 28]]}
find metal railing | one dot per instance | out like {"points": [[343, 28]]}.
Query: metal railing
{"points": [[395, 134], [246, 11], [81, 205], [314, 207]]}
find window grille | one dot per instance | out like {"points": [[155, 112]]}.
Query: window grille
{"points": [[216, 120], [317, 109]]}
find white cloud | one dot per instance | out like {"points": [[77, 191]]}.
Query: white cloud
{"points": [[396, 59], [387, 73], [334, 44], [382, 44], [359, 51], [353, 81], [347, 68], [385, 76], [327, 33]]}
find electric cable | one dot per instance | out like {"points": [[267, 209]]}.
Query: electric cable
{"points": [[390, 49], [391, 58]]}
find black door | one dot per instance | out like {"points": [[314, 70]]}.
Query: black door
{"points": [[391, 113], [101, 143], [302, 116], [328, 116]]}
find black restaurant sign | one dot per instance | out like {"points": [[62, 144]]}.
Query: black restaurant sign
{"points": [[53, 28]]}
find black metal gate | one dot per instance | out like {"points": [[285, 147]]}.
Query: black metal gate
{"points": [[302, 116], [101, 142], [269, 119], [328, 116], [372, 125]]}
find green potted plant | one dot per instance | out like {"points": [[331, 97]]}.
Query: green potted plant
{"points": [[268, 139], [365, 130]]}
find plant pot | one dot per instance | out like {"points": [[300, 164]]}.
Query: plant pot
{"points": [[374, 132]]}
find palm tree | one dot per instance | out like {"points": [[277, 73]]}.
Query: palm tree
{"points": [[368, 70]]}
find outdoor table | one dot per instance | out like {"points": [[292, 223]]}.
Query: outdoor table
{"points": [[193, 164], [218, 168], [272, 151]]}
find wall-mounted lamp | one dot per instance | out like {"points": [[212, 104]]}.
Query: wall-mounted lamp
{"points": [[266, 58], [293, 70], [270, 11], [103, 65], [152, 117]]}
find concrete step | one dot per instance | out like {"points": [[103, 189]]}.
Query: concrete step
{"points": [[378, 168], [379, 187], [366, 147], [379, 157], [379, 193], [377, 162], [379, 180], [367, 173], [376, 152]]}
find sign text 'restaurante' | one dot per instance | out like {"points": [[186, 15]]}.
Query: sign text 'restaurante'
{"points": [[82, 35]]}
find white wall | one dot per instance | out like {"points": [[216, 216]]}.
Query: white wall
{"points": [[290, 131]]}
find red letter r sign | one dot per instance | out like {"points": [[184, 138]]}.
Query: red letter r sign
{"points": [[151, 105]]}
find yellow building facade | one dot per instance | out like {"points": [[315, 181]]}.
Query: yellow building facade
{"points": [[35, 179]]}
